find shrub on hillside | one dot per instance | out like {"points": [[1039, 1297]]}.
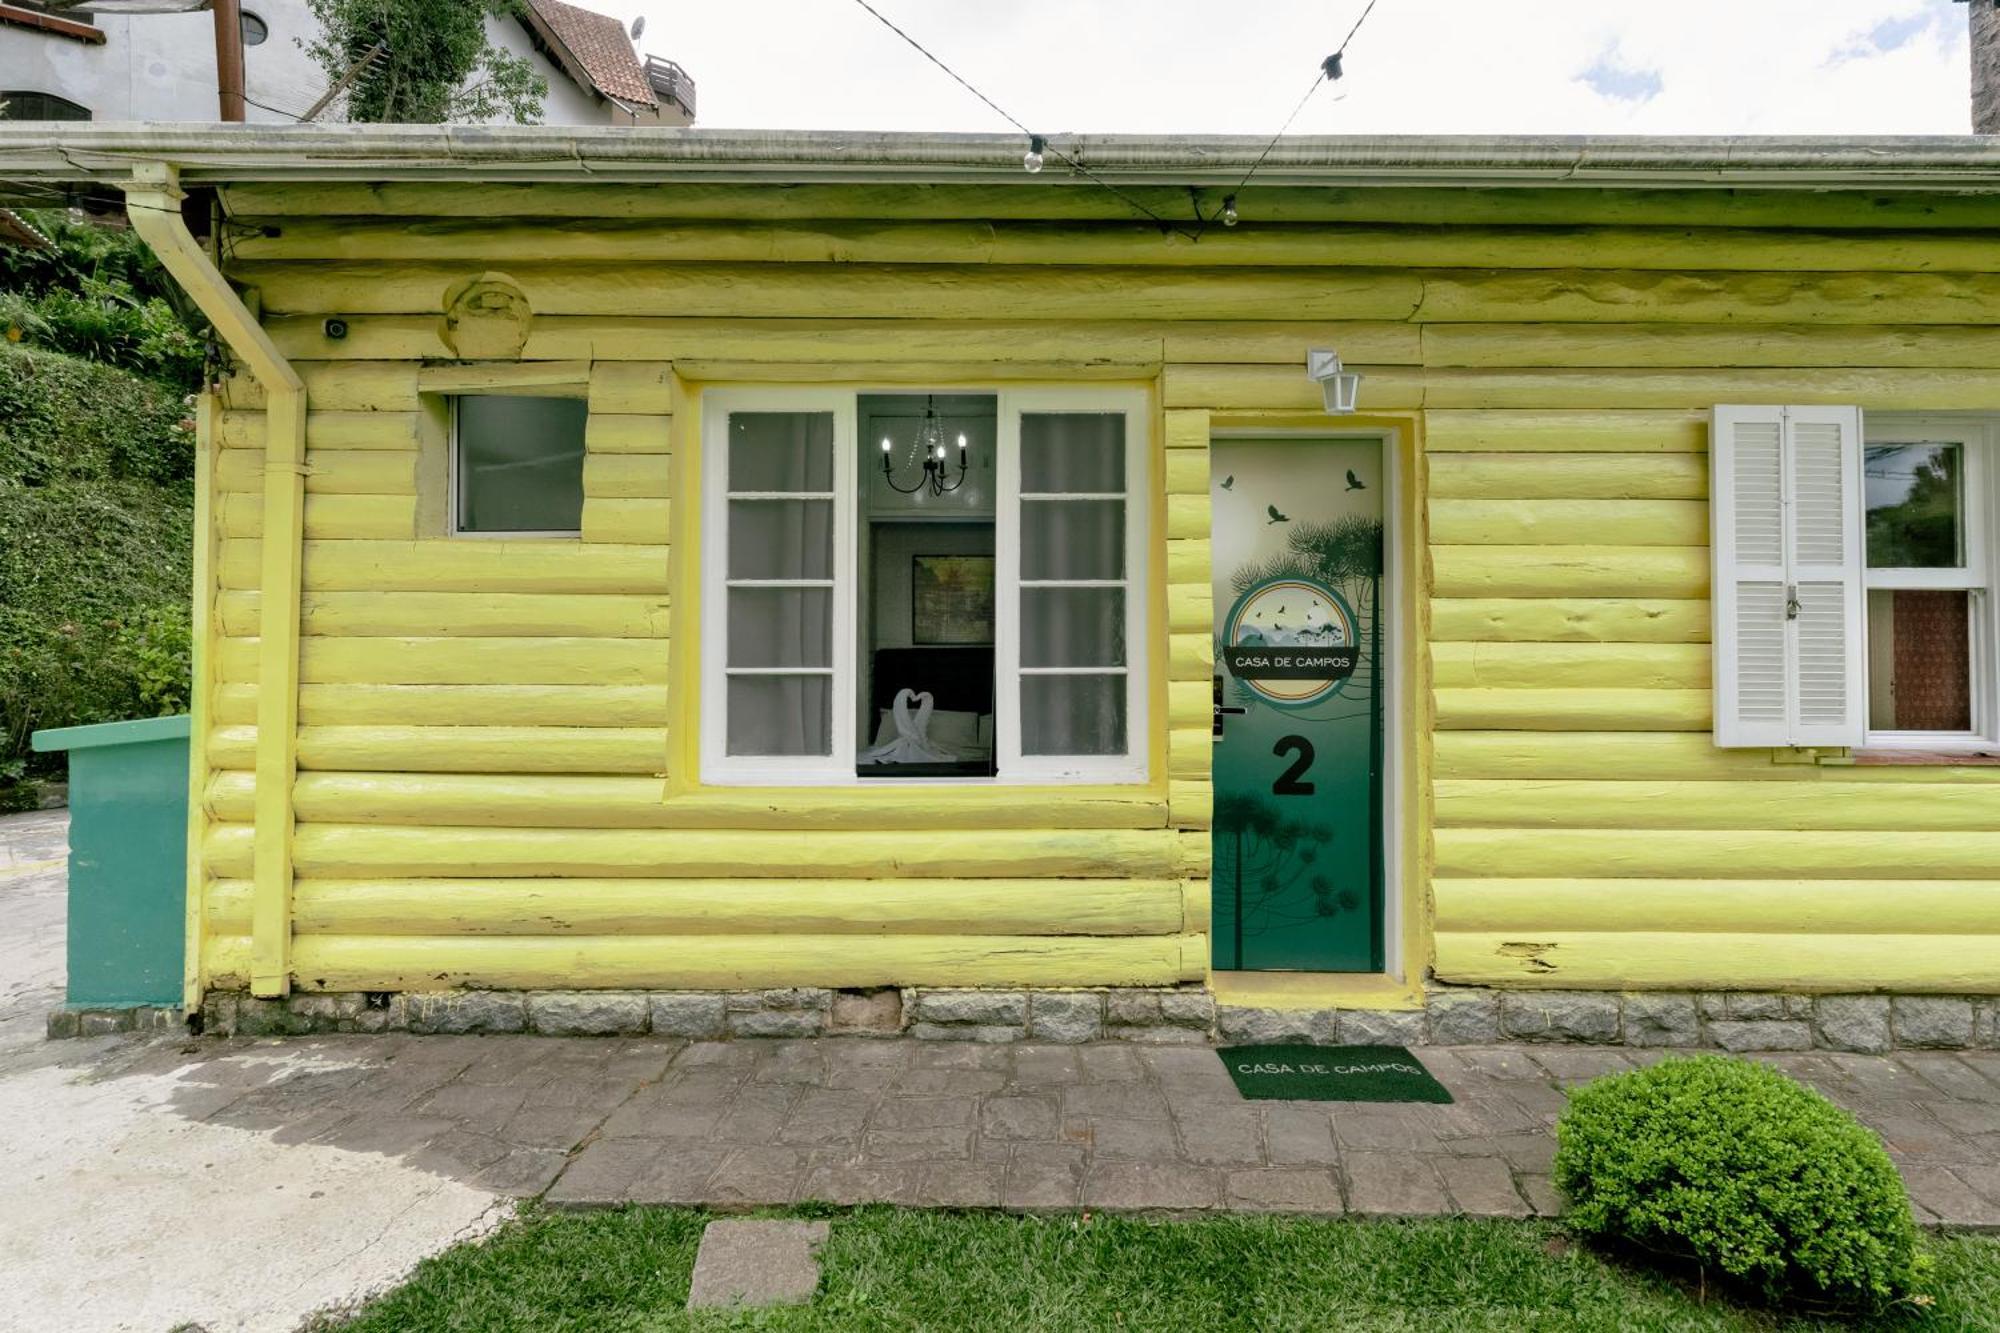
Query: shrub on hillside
{"points": [[1733, 1165], [96, 548]]}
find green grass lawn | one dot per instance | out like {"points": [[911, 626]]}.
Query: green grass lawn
{"points": [[891, 1269]]}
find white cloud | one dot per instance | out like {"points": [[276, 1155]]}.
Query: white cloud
{"points": [[1841, 67]]}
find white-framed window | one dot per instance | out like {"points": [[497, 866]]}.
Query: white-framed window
{"points": [[806, 594], [1853, 572], [516, 465], [1929, 505]]}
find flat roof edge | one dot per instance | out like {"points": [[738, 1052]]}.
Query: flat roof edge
{"points": [[216, 154]]}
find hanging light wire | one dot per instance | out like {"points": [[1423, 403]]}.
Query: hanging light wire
{"points": [[1329, 69], [1047, 147]]}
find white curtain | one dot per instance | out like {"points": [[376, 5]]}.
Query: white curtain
{"points": [[1074, 583], [780, 573]]}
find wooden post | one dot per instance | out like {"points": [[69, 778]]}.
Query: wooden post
{"points": [[229, 59]]}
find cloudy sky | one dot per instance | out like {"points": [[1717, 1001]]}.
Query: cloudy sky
{"points": [[1238, 66]]}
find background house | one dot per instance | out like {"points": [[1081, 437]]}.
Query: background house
{"points": [[62, 63]]}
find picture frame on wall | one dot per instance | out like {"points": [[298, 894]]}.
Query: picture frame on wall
{"points": [[951, 599]]}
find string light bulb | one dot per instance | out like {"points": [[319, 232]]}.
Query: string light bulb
{"points": [[1031, 161], [1229, 211]]}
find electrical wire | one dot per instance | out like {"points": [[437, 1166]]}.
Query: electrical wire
{"points": [[1066, 159], [1329, 67]]}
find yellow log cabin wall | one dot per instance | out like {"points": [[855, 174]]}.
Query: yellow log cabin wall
{"points": [[495, 780]]}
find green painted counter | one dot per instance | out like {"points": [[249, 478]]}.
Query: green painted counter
{"points": [[128, 793]]}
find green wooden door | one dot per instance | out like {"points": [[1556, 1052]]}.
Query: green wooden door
{"points": [[1298, 693]]}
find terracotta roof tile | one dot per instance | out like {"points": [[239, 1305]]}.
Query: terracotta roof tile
{"points": [[599, 45]]}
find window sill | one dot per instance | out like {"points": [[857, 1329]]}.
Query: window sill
{"points": [[1903, 757]]}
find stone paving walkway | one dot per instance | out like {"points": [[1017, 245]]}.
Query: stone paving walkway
{"points": [[590, 1122]]}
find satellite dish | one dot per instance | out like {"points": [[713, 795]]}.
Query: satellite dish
{"points": [[638, 27]]}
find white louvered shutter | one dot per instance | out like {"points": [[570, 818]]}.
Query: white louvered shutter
{"points": [[1787, 588]]}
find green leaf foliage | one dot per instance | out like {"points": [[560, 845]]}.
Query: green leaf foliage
{"points": [[99, 294], [96, 546], [435, 63], [1733, 1166]]}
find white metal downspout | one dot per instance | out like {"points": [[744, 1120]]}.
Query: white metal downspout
{"points": [[153, 202]]}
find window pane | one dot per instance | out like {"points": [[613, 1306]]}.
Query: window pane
{"points": [[1072, 539], [1071, 627], [1915, 500], [520, 463], [1072, 715], [781, 451], [1919, 660], [780, 715], [1072, 451], [781, 539], [780, 627]]}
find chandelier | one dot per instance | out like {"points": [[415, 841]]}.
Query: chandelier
{"points": [[930, 446]]}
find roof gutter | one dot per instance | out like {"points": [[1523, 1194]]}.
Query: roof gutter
{"points": [[153, 197], [210, 154]]}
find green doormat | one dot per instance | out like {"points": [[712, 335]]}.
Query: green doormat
{"points": [[1331, 1074]]}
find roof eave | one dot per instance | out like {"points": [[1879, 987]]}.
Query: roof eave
{"points": [[212, 154]]}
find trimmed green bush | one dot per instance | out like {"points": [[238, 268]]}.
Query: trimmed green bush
{"points": [[1734, 1166]]}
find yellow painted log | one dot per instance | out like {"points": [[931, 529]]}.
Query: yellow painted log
{"points": [[1644, 757], [1190, 608], [1566, 431], [343, 386], [1186, 472], [386, 614], [1568, 476], [1899, 807], [627, 476], [465, 661], [1615, 297], [1187, 515], [1196, 851], [467, 749], [736, 962], [1695, 960], [1190, 703], [707, 907], [853, 291], [622, 433], [1569, 522], [612, 337], [1187, 560], [328, 471], [562, 801], [1187, 428], [1195, 907], [328, 517], [560, 379], [1539, 666], [880, 241], [465, 566], [631, 386], [1567, 206], [1900, 388], [1718, 853], [1286, 388], [630, 522], [1568, 620], [333, 431], [1191, 656], [1190, 752], [345, 851], [462, 705], [1749, 906], [1699, 347], [943, 366], [1192, 803], [1573, 709], [1570, 571]]}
